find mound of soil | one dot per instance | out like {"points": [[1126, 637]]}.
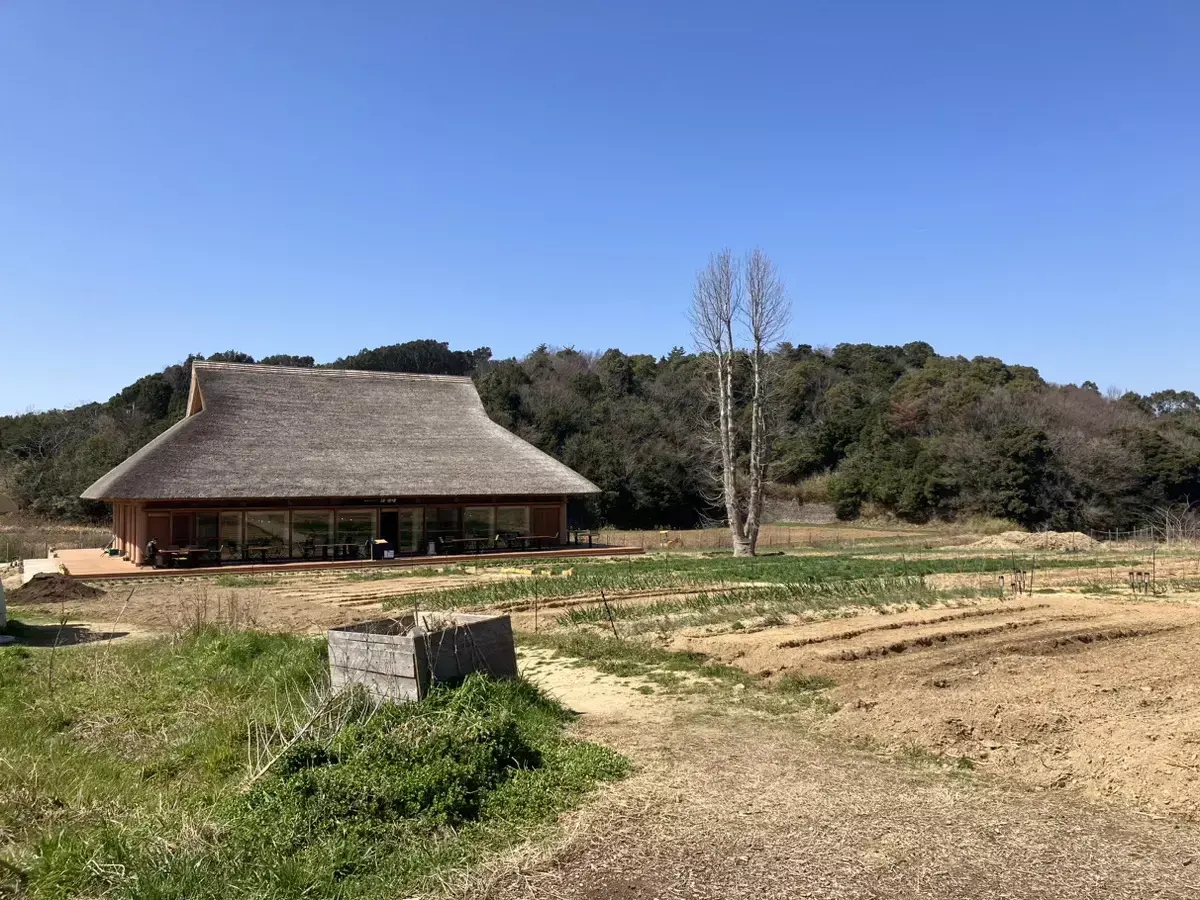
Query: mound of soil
{"points": [[1039, 540], [53, 589]]}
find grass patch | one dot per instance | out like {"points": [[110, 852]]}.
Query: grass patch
{"points": [[770, 601], [245, 581], [917, 756], [27, 537], [388, 574], [1104, 587], [808, 690], [684, 672], [126, 769], [796, 683], [628, 659], [714, 573]]}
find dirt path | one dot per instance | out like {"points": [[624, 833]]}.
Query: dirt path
{"points": [[739, 805]]}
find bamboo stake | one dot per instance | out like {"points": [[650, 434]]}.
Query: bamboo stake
{"points": [[608, 609]]}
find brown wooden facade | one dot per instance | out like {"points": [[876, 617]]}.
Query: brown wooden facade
{"points": [[329, 528]]}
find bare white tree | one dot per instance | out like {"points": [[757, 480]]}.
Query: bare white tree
{"points": [[766, 314], [716, 306], [733, 299]]}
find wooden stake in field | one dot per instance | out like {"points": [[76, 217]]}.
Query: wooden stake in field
{"points": [[608, 609]]}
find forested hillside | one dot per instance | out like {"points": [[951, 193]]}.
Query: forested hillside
{"points": [[887, 429]]}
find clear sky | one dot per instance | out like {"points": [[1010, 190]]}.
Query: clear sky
{"points": [[1014, 179]]}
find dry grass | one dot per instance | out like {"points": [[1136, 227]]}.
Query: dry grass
{"points": [[24, 537], [771, 537], [199, 609]]}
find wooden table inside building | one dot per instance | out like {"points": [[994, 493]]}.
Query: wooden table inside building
{"points": [[468, 544], [578, 534], [263, 550], [330, 551], [187, 556], [529, 541]]}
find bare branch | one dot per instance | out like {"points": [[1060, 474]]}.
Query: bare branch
{"points": [[767, 311], [716, 304]]}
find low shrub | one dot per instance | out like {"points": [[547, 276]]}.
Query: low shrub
{"points": [[128, 775]]}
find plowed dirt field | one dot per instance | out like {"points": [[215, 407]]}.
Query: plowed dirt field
{"points": [[1058, 691]]}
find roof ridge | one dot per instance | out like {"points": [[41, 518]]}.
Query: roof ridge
{"points": [[312, 371]]}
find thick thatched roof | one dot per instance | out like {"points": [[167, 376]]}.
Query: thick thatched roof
{"points": [[276, 432]]}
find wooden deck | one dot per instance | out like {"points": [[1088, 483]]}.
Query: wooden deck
{"points": [[92, 565]]}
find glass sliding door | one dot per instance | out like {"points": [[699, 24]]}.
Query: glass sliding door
{"points": [[312, 533], [267, 535], [355, 531], [208, 532], [479, 522], [512, 520], [231, 535], [442, 522], [411, 525]]}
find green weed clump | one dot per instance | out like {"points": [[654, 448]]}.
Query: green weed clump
{"points": [[419, 766], [628, 659], [128, 775], [245, 581], [771, 601], [390, 572], [796, 683], [808, 690]]}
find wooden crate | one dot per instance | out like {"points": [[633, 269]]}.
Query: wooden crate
{"points": [[394, 660]]}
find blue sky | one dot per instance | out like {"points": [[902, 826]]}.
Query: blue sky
{"points": [[1012, 179]]}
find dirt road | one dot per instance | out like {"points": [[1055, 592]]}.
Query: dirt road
{"points": [[742, 805]]}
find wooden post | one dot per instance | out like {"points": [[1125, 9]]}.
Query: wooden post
{"points": [[140, 536]]}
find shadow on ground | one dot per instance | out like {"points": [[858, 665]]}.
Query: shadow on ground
{"points": [[57, 635]]}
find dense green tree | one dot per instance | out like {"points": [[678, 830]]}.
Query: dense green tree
{"points": [[899, 428], [425, 357], [230, 356], [286, 359]]}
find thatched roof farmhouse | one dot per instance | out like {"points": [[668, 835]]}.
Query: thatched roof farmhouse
{"points": [[289, 463]]}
